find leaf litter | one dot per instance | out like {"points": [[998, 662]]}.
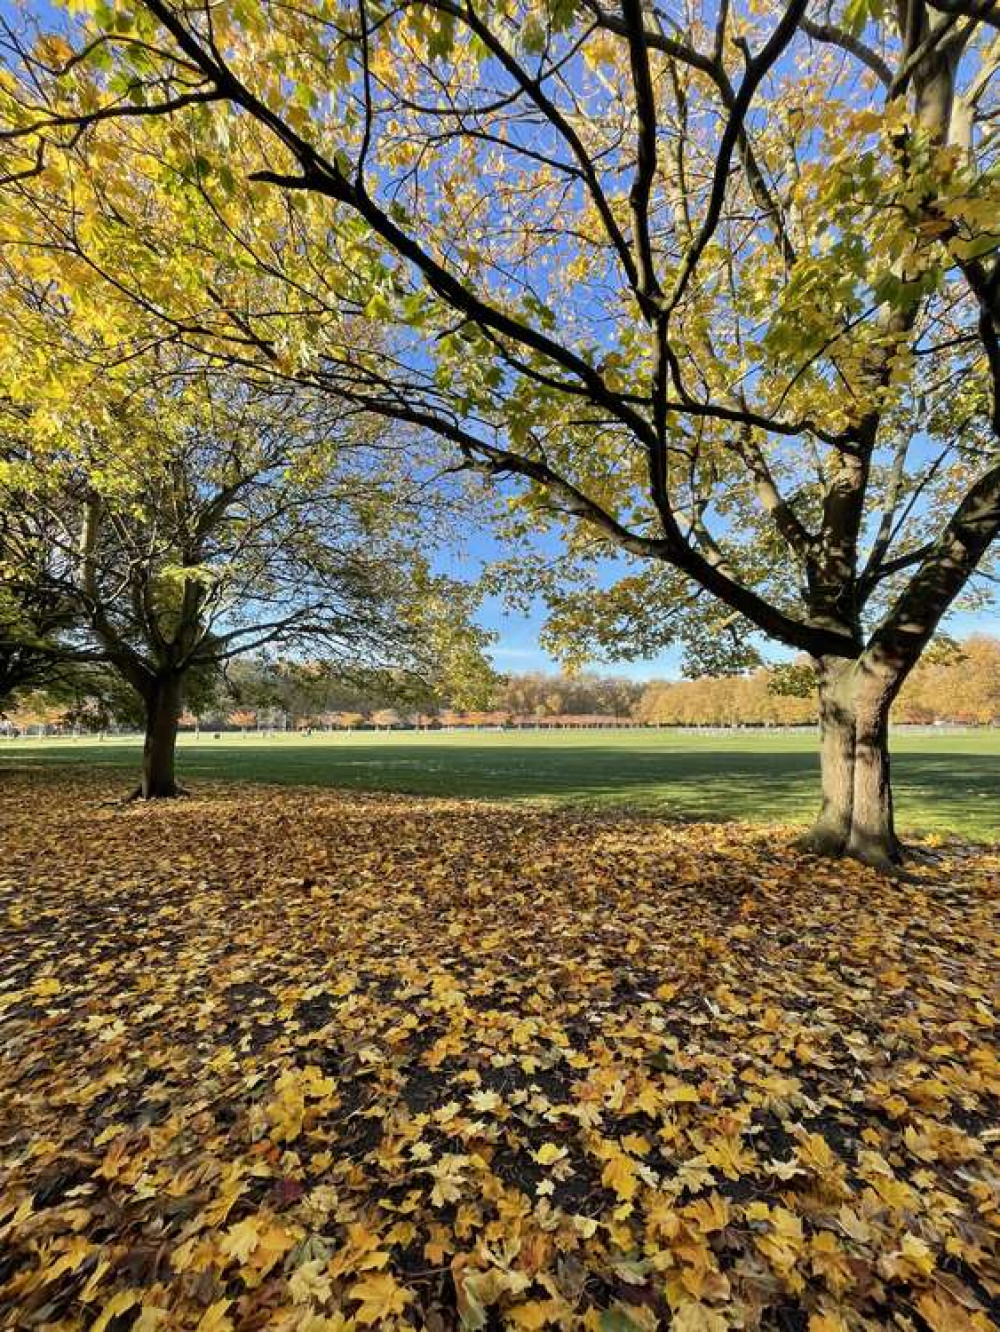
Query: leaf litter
{"points": [[296, 1059]]}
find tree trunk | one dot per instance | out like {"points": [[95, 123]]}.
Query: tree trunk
{"points": [[831, 832], [856, 816], [163, 710], [873, 832]]}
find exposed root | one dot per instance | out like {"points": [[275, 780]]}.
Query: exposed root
{"points": [[137, 794], [827, 843]]}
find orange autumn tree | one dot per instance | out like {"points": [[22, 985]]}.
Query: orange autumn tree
{"points": [[714, 292]]}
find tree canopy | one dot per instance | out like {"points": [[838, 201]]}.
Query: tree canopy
{"points": [[190, 516], [722, 283]]}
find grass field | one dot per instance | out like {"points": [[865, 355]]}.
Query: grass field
{"points": [[943, 783]]}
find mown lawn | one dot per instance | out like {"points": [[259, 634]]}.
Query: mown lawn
{"points": [[947, 783]]}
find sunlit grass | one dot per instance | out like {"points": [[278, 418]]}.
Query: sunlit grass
{"points": [[943, 782]]}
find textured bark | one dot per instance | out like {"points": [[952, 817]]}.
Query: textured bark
{"points": [[831, 832], [856, 815], [873, 834], [163, 710]]}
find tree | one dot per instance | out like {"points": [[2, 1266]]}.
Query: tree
{"points": [[213, 520], [961, 685], [538, 694], [243, 718], [37, 619], [724, 287], [384, 719]]}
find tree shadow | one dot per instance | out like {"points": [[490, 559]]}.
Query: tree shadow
{"points": [[947, 791]]}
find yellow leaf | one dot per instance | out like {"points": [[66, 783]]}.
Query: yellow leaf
{"points": [[448, 1178], [619, 1174], [381, 1296], [918, 1254], [533, 1315], [677, 1092], [151, 1319], [694, 1317], [943, 1314], [309, 1283], [215, 1319], [120, 1303], [814, 1153], [484, 1101], [68, 1261], [854, 1226], [827, 1322], [549, 1153], [240, 1240], [709, 1214]]}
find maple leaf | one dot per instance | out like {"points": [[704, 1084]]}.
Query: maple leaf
{"points": [[380, 1297], [709, 1214], [446, 1113], [272, 1245], [118, 1304], [484, 1101], [449, 1178], [152, 1318], [549, 1153], [696, 1317], [830, 1262], [240, 1240], [535, 1314], [215, 1318], [827, 1322], [361, 1253], [309, 1283], [914, 1260], [853, 1225], [621, 1175], [76, 1253]]}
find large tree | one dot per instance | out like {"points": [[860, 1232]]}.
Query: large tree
{"points": [[210, 519], [721, 282]]}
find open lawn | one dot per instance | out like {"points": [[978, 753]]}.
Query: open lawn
{"points": [[316, 1061], [947, 783]]}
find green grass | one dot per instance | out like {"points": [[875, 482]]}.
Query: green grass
{"points": [[943, 783]]}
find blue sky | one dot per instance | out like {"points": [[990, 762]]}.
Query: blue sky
{"points": [[517, 648]]}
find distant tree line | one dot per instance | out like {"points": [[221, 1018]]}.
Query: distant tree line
{"points": [[959, 683]]}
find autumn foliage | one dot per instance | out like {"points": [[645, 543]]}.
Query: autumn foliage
{"points": [[295, 1060]]}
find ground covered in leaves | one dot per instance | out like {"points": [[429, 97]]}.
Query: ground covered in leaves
{"points": [[300, 1060]]}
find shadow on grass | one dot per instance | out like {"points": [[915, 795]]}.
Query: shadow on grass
{"points": [[935, 791]]}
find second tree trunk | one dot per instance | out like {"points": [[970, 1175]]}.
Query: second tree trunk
{"points": [[856, 817], [163, 710]]}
